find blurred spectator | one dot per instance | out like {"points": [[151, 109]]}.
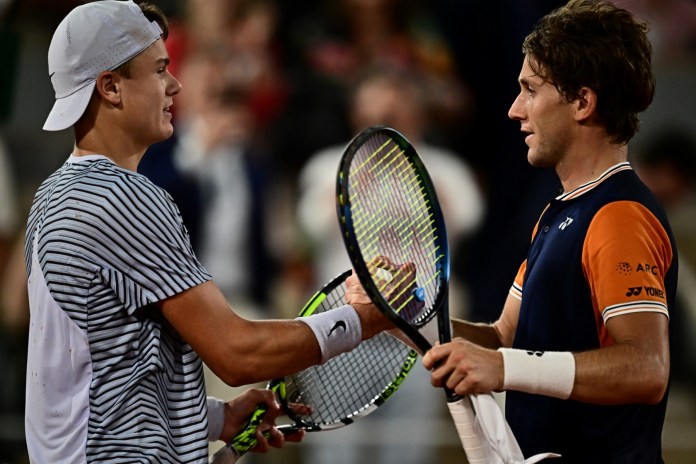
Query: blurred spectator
{"points": [[485, 40], [14, 315], [9, 210], [247, 30], [395, 99], [672, 27], [13, 310], [666, 162], [216, 168], [335, 43], [216, 165]]}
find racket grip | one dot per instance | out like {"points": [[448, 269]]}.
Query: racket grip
{"points": [[230, 454], [246, 439], [469, 434]]}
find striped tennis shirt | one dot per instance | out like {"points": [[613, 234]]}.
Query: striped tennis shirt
{"points": [[108, 378]]}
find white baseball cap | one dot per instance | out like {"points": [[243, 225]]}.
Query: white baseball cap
{"points": [[99, 36]]}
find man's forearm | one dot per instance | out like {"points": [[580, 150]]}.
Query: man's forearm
{"points": [[482, 334]]}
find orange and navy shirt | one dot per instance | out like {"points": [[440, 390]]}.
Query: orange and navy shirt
{"points": [[600, 251]]}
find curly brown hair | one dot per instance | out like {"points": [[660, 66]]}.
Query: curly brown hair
{"points": [[597, 45]]}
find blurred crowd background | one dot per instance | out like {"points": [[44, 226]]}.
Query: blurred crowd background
{"points": [[272, 92]]}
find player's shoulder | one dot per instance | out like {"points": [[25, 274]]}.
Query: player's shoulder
{"points": [[101, 190], [624, 191], [118, 180]]}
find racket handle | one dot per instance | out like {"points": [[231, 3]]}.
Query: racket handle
{"points": [[465, 421], [229, 454], [246, 439]]}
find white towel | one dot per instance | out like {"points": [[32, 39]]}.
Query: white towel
{"points": [[486, 435]]}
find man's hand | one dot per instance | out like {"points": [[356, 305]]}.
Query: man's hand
{"points": [[239, 410], [371, 318], [399, 286], [465, 367]]}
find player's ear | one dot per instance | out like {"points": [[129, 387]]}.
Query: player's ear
{"points": [[585, 104], [109, 86]]}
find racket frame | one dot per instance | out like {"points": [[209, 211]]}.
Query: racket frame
{"points": [[345, 219], [461, 408], [246, 439]]}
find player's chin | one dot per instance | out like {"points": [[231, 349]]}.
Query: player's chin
{"points": [[536, 160], [165, 131], [532, 159]]}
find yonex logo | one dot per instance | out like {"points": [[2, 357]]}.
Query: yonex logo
{"points": [[565, 223], [650, 291], [336, 326], [634, 291]]}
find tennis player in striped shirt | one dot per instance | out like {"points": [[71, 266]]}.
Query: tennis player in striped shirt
{"points": [[122, 313]]}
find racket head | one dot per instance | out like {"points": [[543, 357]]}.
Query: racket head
{"points": [[387, 206], [342, 390], [349, 386], [388, 210]]}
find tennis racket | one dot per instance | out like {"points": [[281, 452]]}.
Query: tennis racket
{"points": [[394, 232], [342, 390]]}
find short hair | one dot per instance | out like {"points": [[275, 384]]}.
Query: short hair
{"points": [[596, 44], [152, 13]]}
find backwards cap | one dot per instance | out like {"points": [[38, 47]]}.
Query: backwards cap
{"points": [[99, 36]]}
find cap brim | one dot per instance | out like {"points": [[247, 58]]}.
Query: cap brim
{"points": [[66, 111]]}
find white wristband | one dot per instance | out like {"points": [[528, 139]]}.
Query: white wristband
{"points": [[216, 417], [337, 331], [549, 373]]}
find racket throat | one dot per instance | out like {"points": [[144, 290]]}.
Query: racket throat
{"points": [[444, 325]]}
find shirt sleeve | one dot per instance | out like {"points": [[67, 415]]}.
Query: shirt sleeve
{"points": [[516, 288], [154, 259], [625, 257], [216, 417]]}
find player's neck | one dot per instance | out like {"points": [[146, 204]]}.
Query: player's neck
{"points": [[118, 149], [586, 165]]}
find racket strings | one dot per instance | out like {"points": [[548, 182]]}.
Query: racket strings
{"points": [[324, 389], [401, 279], [393, 217], [349, 384], [400, 197]]}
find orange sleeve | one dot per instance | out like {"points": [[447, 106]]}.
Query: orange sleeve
{"points": [[516, 288], [625, 257]]}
